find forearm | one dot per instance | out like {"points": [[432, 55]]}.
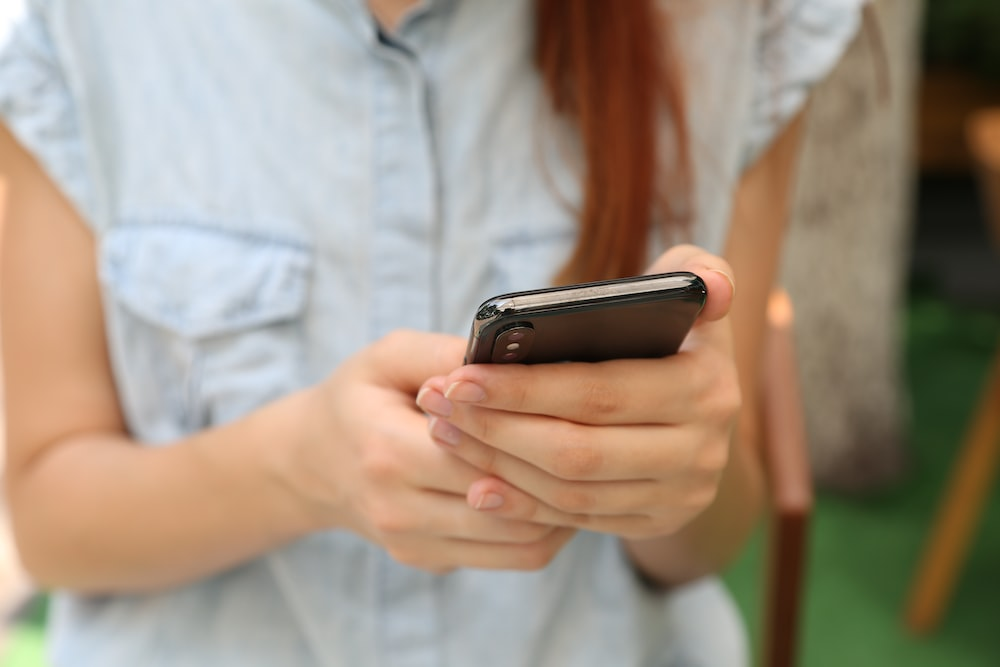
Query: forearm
{"points": [[97, 513], [715, 537]]}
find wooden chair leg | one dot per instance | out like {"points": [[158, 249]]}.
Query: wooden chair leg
{"points": [[959, 511], [786, 464]]}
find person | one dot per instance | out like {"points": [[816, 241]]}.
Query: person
{"points": [[243, 248]]}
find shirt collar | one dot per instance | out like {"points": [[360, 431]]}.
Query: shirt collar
{"points": [[362, 17]]}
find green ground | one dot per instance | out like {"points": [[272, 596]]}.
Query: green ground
{"points": [[864, 550]]}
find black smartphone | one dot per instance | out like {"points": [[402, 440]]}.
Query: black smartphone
{"points": [[641, 317]]}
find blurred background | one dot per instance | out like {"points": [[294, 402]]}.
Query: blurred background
{"points": [[893, 264]]}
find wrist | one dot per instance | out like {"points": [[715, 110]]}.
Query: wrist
{"points": [[288, 475]]}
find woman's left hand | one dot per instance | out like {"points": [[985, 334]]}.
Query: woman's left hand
{"points": [[633, 447]]}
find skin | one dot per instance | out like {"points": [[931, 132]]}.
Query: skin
{"points": [[725, 485], [639, 449], [650, 451], [92, 511], [389, 13]]}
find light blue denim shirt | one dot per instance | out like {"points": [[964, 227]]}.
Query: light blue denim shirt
{"points": [[274, 185]]}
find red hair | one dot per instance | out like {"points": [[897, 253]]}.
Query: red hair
{"points": [[607, 68]]}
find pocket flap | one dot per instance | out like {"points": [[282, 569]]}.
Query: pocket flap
{"points": [[202, 281]]}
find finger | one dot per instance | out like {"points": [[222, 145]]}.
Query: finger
{"points": [[404, 359], [527, 557], [712, 269], [539, 498], [490, 440], [622, 391], [712, 326], [494, 496], [430, 398], [415, 459], [449, 516]]}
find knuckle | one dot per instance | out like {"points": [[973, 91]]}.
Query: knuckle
{"points": [[576, 462], [533, 510], [727, 398], [379, 465], [521, 510], [518, 396], [581, 521], [573, 457], [599, 400], [404, 555], [488, 460], [641, 528], [701, 497], [419, 559], [480, 424], [644, 497], [715, 387], [529, 532], [714, 458], [663, 527], [572, 499], [388, 521], [536, 556], [696, 373]]}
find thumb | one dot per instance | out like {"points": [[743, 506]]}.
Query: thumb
{"points": [[405, 359], [712, 269]]}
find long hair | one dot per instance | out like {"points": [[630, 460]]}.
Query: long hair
{"points": [[608, 68]]}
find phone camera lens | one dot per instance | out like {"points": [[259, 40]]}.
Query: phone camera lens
{"points": [[513, 344]]}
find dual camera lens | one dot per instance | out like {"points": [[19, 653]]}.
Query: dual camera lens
{"points": [[512, 344]]}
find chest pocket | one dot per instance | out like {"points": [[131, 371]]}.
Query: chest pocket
{"points": [[204, 324]]}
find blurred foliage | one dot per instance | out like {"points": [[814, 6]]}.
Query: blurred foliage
{"points": [[965, 34]]}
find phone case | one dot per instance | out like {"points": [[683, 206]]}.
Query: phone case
{"points": [[641, 317]]}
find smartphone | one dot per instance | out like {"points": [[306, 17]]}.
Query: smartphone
{"points": [[641, 317]]}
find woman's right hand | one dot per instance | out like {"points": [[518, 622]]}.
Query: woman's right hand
{"points": [[364, 462], [96, 511]]}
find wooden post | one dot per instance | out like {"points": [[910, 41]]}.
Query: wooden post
{"points": [[976, 467]]}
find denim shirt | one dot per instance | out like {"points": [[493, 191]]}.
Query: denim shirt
{"points": [[272, 186]]}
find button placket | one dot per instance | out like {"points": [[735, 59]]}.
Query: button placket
{"points": [[405, 212], [403, 274]]}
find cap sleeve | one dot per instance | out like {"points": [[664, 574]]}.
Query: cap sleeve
{"points": [[37, 107], [800, 42]]}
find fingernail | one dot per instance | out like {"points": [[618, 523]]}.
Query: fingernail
{"points": [[432, 402], [465, 392], [732, 283], [444, 432], [489, 501]]}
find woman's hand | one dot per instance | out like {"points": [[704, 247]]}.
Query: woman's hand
{"points": [[365, 463], [631, 447]]}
